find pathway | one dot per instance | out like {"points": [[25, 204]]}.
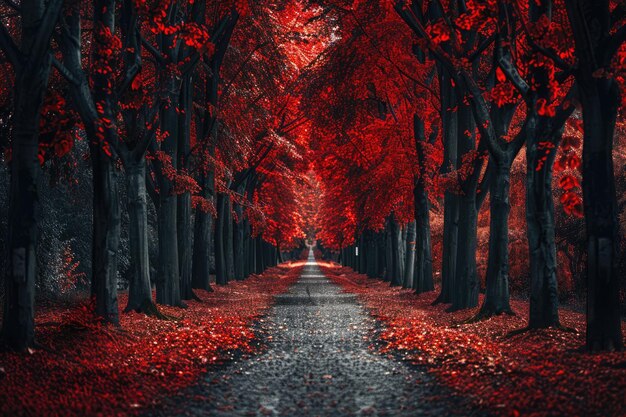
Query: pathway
{"points": [[318, 364]]}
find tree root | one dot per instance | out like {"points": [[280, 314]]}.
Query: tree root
{"points": [[487, 313], [149, 308], [439, 300], [528, 329]]}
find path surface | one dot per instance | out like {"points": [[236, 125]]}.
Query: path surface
{"points": [[318, 364]]}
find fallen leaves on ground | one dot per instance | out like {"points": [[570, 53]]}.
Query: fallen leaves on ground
{"points": [[85, 368], [535, 373]]}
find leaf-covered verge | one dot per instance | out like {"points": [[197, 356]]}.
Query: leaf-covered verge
{"points": [[534, 373], [85, 368]]}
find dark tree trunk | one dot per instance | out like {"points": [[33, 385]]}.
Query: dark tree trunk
{"points": [[239, 243], [388, 251], [497, 280], [362, 254], [396, 244], [202, 243], [600, 98], [423, 275], [106, 202], [544, 299], [451, 200], [31, 80], [106, 236], [466, 285], [18, 329], [260, 260], [229, 253], [381, 253], [168, 278], [409, 264], [248, 260], [184, 226], [371, 254], [221, 275], [139, 291], [167, 282]]}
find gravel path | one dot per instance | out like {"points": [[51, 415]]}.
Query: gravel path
{"points": [[318, 364]]}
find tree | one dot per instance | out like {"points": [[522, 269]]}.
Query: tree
{"points": [[31, 62]]}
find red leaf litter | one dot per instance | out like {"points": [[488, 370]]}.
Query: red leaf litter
{"points": [[536, 373], [85, 368]]}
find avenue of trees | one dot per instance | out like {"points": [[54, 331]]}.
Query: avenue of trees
{"points": [[147, 144], [445, 112], [475, 144]]}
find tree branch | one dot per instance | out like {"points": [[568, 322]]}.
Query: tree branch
{"points": [[9, 48]]}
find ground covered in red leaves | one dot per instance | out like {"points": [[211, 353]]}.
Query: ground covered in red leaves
{"points": [[85, 368], [538, 373]]}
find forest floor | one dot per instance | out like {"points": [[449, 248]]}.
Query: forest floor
{"points": [[534, 373], [84, 368]]}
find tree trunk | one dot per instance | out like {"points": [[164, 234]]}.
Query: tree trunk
{"points": [[184, 228], [423, 276], [381, 252], [466, 285], [229, 254], [600, 98], [201, 268], [238, 243], [106, 236], [168, 278], [388, 251], [168, 282], [248, 261], [221, 277], [496, 299], [451, 201], [260, 266], [139, 291], [544, 297], [450, 247], [396, 244], [371, 254], [18, 329], [409, 264]]}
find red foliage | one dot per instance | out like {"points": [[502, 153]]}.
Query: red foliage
{"points": [[90, 369], [534, 373]]}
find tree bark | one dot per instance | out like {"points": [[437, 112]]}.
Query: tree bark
{"points": [[202, 243], [466, 285], [409, 264], [139, 291], [260, 260], [31, 80], [600, 98], [238, 243], [396, 244], [544, 299], [184, 227], [423, 271], [497, 280], [451, 200], [229, 254], [540, 223], [168, 278], [221, 275]]}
